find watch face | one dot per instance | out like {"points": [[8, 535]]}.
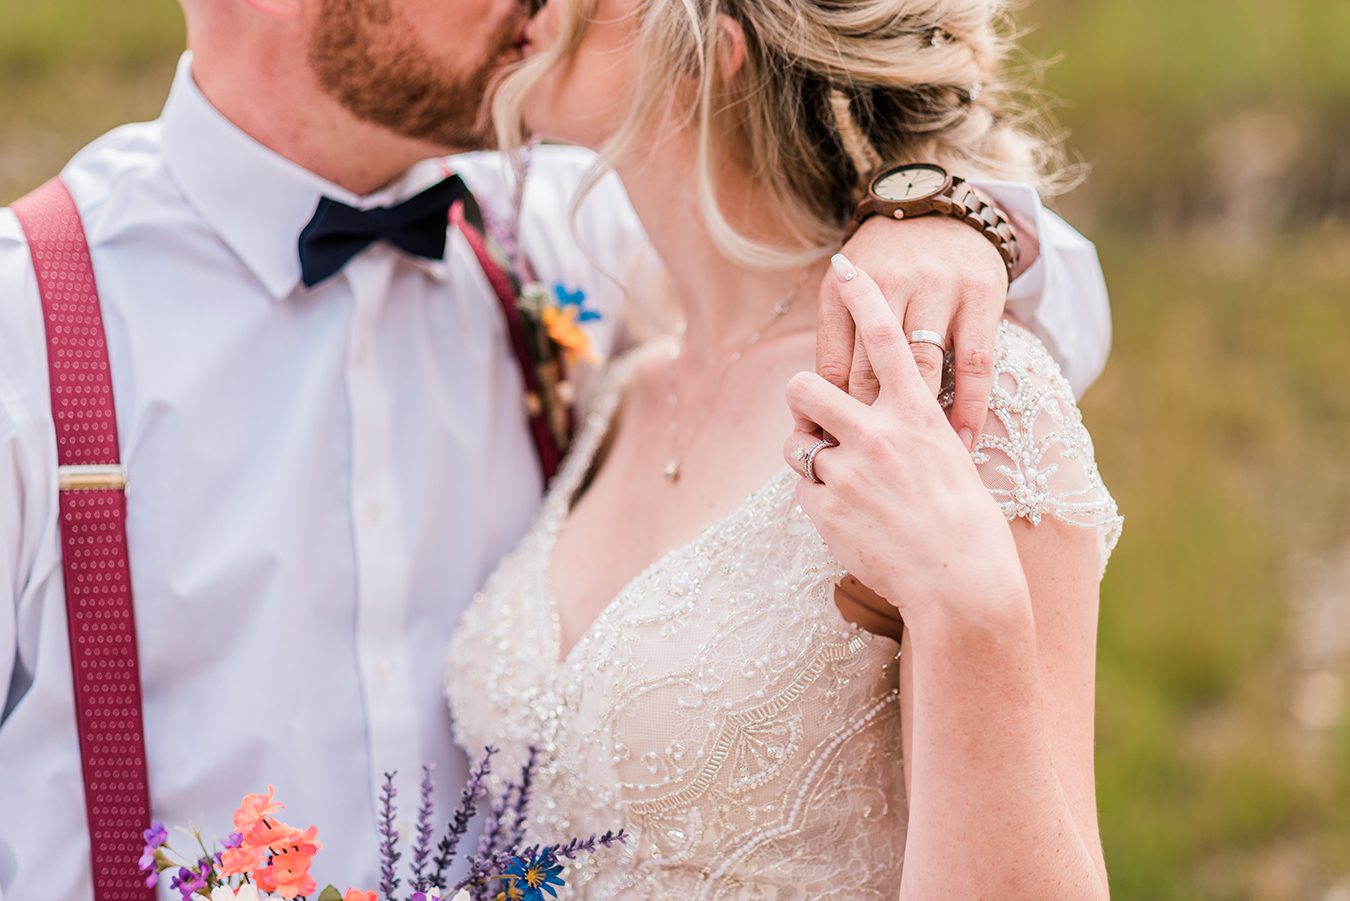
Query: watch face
{"points": [[910, 183]]}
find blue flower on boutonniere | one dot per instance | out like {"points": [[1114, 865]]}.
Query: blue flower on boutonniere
{"points": [[535, 874], [562, 317], [576, 299]]}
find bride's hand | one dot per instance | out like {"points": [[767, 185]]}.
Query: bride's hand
{"points": [[898, 499]]}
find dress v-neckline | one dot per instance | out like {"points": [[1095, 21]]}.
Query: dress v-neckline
{"points": [[550, 543], [561, 502]]}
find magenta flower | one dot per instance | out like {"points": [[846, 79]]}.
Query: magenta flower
{"points": [[189, 882], [155, 838]]}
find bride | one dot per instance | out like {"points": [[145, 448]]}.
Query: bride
{"points": [[685, 634]]}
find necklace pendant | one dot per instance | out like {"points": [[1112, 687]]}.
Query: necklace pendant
{"points": [[672, 471]]}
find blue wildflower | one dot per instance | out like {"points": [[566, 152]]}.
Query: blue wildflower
{"points": [[576, 299], [535, 874]]}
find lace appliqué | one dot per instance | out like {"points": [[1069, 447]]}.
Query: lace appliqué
{"points": [[720, 709], [1035, 455]]}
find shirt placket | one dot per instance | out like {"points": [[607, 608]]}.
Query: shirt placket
{"points": [[383, 571]]}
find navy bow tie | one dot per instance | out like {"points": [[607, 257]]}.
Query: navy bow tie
{"points": [[339, 232]]}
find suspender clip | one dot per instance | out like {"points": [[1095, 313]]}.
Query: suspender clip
{"points": [[92, 478]]}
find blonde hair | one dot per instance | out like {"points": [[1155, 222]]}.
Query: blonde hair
{"points": [[828, 89]]}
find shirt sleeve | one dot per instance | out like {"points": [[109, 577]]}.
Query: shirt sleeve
{"points": [[1062, 296], [596, 243], [29, 555], [27, 469], [16, 286]]}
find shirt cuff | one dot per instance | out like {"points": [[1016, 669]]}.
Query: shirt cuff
{"points": [[1061, 296]]}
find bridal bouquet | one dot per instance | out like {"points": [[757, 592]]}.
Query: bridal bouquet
{"points": [[265, 859]]}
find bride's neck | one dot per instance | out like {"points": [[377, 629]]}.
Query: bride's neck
{"points": [[723, 302]]}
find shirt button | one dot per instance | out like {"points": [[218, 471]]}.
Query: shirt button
{"points": [[362, 354], [384, 671], [373, 512]]}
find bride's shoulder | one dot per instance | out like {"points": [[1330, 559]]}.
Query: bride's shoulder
{"points": [[1020, 355], [1035, 452]]}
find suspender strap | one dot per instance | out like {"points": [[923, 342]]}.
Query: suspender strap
{"points": [[99, 612], [537, 396]]}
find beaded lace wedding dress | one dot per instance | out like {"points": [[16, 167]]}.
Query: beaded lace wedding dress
{"points": [[720, 709]]}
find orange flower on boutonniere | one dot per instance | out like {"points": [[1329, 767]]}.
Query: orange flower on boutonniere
{"points": [[563, 314]]}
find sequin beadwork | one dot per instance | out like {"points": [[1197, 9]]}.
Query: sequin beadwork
{"points": [[720, 709]]}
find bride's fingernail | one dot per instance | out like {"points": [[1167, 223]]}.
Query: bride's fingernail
{"points": [[843, 268], [968, 439]]}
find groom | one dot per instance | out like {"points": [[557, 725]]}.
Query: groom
{"points": [[322, 470]]}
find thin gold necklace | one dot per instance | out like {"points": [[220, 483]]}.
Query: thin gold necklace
{"points": [[780, 309]]}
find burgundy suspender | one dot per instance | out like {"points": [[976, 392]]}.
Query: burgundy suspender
{"points": [[546, 445], [99, 612]]}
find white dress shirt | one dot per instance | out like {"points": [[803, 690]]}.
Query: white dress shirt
{"points": [[319, 479]]}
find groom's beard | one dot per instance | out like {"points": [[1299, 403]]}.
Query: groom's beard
{"points": [[371, 62]]}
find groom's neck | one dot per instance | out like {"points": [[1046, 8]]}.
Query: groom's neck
{"points": [[267, 90]]}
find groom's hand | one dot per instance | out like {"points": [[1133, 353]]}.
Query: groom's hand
{"points": [[937, 274]]}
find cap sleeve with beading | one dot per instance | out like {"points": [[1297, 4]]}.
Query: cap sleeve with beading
{"points": [[1034, 453]]}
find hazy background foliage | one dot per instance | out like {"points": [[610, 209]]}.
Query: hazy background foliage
{"points": [[1219, 198]]}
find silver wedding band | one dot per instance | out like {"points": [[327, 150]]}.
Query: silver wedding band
{"points": [[808, 458], [927, 336]]}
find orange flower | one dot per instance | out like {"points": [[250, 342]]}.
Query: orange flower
{"points": [[567, 333], [288, 874], [253, 809], [355, 894], [244, 859], [271, 834]]}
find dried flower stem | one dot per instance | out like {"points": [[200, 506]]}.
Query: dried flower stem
{"points": [[474, 790], [520, 809], [389, 853], [421, 850]]}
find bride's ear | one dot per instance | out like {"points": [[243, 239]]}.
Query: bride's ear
{"points": [[731, 55]]}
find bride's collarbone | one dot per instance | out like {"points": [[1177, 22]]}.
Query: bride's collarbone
{"points": [[626, 515]]}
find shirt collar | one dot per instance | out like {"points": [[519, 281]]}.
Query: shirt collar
{"points": [[256, 200]]}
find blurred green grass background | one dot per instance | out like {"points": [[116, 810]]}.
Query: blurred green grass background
{"points": [[1219, 198]]}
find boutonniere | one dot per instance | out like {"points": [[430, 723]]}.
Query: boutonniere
{"points": [[562, 312], [548, 325]]}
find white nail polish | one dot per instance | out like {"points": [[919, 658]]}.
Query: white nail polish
{"points": [[843, 268]]}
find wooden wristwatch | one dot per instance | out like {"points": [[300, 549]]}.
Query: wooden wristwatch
{"points": [[920, 189]]}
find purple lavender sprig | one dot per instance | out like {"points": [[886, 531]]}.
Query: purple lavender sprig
{"points": [[482, 868], [490, 843], [389, 853], [421, 850], [474, 790], [520, 810], [577, 847]]}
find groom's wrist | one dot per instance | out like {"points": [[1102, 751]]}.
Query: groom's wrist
{"points": [[914, 190]]}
